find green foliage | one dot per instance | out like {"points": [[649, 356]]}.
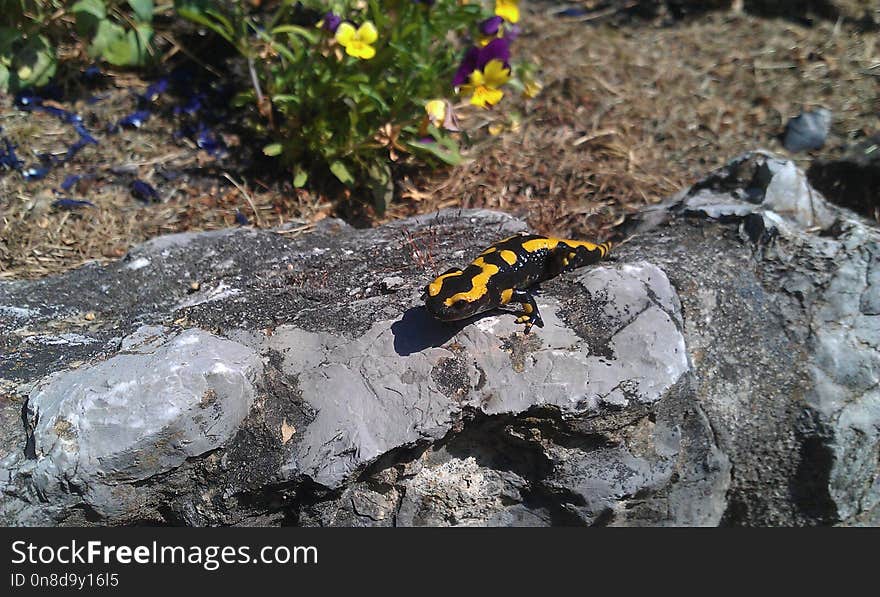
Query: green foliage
{"points": [[343, 105], [118, 44], [27, 57], [332, 113], [119, 32]]}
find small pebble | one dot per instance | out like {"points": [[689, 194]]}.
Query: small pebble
{"points": [[391, 283], [808, 130]]}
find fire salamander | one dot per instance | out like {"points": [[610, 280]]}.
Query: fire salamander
{"points": [[503, 273]]}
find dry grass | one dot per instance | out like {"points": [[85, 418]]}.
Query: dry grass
{"points": [[628, 116], [37, 239]]}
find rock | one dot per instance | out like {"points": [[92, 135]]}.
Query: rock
{"points": [[391, 283], [136, 415], [798, 311], [852, 180], [864, 13], [720, 369], [807, 131], [620, 10]]}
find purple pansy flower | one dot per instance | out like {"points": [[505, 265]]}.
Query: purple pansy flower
{"points": [[490, 26], [467, 66], [477, 58], [331, 22], [497, 49]]}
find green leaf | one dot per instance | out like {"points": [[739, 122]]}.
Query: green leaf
{"points": [[199, 11], [381, 185], [107, 34], [300, 176], [242, 98], [96, 8], [373, 95], [143, 9], [8, 36], [446, 150], [89, 14], [120, 47], [273, 149], [286, 99], [33, 64], [140, 39], [341, 172], [118, 52], [306, 34]]}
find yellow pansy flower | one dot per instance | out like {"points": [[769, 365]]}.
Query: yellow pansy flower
{"points": [[508, 10], [358, 42], [436, 110], [531, 87], [483, 85]]}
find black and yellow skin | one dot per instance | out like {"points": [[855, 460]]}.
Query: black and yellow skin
{"points": [[503, 273]]}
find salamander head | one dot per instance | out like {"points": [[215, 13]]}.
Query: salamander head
{"points": [[441, 301]]}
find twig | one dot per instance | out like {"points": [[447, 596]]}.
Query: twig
{"points": [[596, 135], [247, 197], [255, 81], [295, 230], [159, 160], [601, 13]]}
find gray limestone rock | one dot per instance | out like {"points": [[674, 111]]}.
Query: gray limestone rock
{"points": [[721, 368], [97, 431], [808, 130]]}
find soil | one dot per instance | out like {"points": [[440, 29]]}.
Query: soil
{"points": [[632, 110]]}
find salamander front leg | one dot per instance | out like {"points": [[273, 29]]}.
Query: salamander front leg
{"points": [[530, 314]]}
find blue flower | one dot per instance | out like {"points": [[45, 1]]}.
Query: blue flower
{"points": [[144, 192], [35, 173], [68, 203]]}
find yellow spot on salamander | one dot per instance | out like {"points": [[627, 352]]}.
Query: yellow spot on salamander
{"points": [[509, 257], [436, 286], [506, 295], [527, 308], [550, 243], [478, 284], [537, 244], [491, 249]]}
